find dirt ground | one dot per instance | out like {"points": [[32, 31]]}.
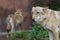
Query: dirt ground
{"points": [[3, 38]]}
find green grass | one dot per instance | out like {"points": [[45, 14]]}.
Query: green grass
{"points": [[37, 32], [19, 35]]}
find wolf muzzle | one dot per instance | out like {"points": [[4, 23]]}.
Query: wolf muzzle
{"points": [[33, 20]]}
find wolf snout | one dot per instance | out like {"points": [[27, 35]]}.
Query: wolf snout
{"points": [[33, 20]]}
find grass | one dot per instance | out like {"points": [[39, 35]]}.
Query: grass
{"points": [[37, 32], [19, 35]]}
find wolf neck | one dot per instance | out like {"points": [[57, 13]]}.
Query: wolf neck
{"points": [[42, 22], [45, 21]]}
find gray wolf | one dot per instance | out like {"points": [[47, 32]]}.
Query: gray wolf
{"points": [[49, 19], [14, 20]]}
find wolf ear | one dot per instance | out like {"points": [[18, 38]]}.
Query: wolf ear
{"points": [[33, 8], [45, 8]]}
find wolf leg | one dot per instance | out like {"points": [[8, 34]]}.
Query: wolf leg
{"points": [[55, 34], [12, 27], [8, 30], [50, 36]]}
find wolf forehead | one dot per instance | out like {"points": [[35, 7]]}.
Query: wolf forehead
{"points": [[18, 11], [39, 9]]}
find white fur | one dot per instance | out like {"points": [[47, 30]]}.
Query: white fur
{"points": [[47, 23], [50, 35], [38, 18]]}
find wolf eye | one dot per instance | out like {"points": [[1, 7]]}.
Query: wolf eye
{"points": [[37, 12]]}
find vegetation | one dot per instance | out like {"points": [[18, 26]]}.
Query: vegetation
{"points": [[37, 32], [19, 35], [54, 6]]}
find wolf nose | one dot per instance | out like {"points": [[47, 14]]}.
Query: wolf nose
{"points": [[33, 20]]}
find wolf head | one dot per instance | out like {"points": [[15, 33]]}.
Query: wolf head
{"points": [[18, 12], [38, 13]]}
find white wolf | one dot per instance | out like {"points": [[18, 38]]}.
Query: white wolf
{"points": [[50, 20], [14, 20]]}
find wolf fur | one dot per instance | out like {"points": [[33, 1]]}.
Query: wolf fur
{"points": [[14, 20], [50, 20]]}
